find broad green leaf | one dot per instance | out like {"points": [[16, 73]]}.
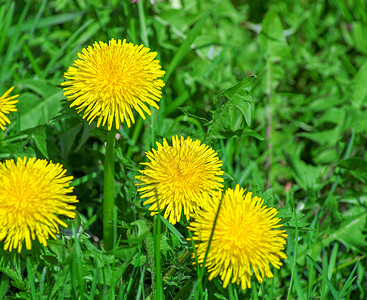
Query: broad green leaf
{"points": [[35, 111]]}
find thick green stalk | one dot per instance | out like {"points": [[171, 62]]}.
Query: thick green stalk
{"points": [[108, 194]]}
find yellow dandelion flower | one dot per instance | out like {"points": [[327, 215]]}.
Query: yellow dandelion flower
{"points": [[108, 80], [177, 176], [7, 104], [32, 195], [246, 237]]}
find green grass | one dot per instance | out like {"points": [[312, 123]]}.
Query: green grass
{"points": [[278, 89]]}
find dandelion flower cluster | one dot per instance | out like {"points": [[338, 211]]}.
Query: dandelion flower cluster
{"points": [[246, 237], [177, 177], [33, 194], [7, 105], [108, 80]]}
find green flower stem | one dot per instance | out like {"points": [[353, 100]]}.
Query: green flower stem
{"points": [[158, 294], [108, 194]]}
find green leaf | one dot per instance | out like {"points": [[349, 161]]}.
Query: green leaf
{"points": [[350, 280], [307, 176], [238, 100], [186, 44], [174, 231], [359, 34], [360, 87], [35, 111], [239, 97], [4, 286], [352, 233], [325, 137], [39, 137], [137, 232], [355, 164], [15, 276], [325, 278], [125, 252], [225, 134], [272, 38]]}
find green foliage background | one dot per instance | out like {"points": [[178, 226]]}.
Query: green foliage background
{"points": [[277, 88]]}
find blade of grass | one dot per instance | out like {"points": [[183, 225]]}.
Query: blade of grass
{"points": [[6, 15], [349, 281], [142, 24], [324, 276], [131, 21], [294, 262], [93, 288], [333, 262], [42, 283], [202, 269], [14, 44], [66, 44], [32, 60], [46, 21], [324, 287], [77, 273], [37, 18], [175, 232]]}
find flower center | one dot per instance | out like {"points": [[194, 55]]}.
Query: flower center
{"points": [[183, 175], [239, 230]]}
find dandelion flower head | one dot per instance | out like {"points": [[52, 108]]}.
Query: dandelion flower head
{"points": [[177, 177], [7, 105], [246, 237], [33, 194], [108, 80]]}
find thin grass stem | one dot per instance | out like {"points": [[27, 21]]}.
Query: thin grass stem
{"points": [[108, 192]]}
